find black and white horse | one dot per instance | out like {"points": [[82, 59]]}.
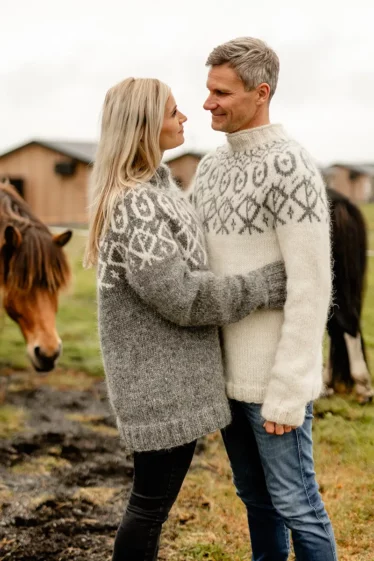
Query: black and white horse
{"points": [[347, 367]]}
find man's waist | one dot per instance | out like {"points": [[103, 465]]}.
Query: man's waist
{"points": [[234, 254]]}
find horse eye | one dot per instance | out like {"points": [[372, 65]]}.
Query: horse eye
{"points": [[14, 315]]}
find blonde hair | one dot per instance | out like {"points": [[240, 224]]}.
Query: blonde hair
{"points": [[128, 152], [253, 60]]}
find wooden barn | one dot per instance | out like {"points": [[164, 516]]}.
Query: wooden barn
{"points": [[354, 181], [53, 178], [183, 167]]}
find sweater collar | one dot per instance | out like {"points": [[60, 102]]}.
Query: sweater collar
{"points": [[162, 177], [250, 138]]}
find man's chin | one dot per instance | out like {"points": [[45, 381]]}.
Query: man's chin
{"points": [[219, 127]]}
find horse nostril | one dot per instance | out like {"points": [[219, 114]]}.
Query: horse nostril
{"points": [[43, 357]]}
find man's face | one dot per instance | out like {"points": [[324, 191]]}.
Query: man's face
{"points": [[232, 107]]}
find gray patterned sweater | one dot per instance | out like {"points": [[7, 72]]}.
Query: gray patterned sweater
{"points": [[261, 198], [158, 305]]}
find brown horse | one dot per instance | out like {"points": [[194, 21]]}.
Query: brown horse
{"points": [[33, 269]]}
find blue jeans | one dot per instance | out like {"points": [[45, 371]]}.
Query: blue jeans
{"points": [[274, 477]]}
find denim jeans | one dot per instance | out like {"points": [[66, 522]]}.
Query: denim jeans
{"points": [[158, 477], [274, 477]]}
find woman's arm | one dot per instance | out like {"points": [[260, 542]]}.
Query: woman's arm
{"points": [[157, 271]]}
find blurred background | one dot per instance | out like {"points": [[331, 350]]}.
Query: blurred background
{"points": [[63, 473]]}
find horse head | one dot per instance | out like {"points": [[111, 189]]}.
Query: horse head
{"points": [[33, 269]]}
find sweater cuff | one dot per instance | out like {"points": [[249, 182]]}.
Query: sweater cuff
{"points": [[275, 279], [277, 414]]}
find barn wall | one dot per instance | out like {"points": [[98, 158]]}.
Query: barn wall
{"points": [[358, 190], [183, 169], [55, 199]]}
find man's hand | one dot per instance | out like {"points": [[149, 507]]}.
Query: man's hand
{"points": [[274, 428]]}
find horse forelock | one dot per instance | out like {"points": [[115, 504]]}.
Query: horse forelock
{"points": [[38, 262]]}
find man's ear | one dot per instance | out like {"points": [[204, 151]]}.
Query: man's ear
{"points": [[263, 93]]}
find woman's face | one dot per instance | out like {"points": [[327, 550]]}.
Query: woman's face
{"points": [[172, 129]]}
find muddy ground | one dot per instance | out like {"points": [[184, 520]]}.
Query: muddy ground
{"points": [[64, 476]]}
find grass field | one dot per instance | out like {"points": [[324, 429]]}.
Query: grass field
{"points": [[208, 522], [368, 211]]}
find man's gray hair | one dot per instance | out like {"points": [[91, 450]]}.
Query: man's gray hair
{"points": [[252, 59]]}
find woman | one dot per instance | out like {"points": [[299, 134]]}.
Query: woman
{"points": [[159, 306]]}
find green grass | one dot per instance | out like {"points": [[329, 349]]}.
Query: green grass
{"points": [[368, 311], [368, 211], [205, 552], [77, 317], [12, 420]]}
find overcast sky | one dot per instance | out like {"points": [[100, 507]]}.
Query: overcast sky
{"points": [[58, 59]]}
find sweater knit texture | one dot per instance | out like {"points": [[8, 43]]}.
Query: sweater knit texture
{"points": [[159, 306], [261, 198]]}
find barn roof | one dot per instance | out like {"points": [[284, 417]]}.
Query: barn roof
{"points": [[81, 151], [85, 151], [363, 169]]}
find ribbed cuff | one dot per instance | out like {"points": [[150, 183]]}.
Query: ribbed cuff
{"points": [[293, 418], [275, 278]]}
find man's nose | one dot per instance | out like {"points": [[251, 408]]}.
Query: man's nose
{"points": [[210, 104]]}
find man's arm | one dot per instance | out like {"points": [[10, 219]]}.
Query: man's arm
{"points": [[305, 246]]}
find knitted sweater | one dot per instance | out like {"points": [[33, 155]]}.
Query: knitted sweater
{"points": [[261, 198], [164, 377]]}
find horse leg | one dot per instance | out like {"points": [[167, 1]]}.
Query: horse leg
{"points": [[328, 389], [341, 380], [358, 367]]}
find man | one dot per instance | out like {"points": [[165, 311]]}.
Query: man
{"points": [[261, 198]]}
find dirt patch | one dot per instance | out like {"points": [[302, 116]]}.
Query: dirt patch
{"points": [[64, 476]]}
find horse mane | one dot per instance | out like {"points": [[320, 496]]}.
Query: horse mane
{"points": [[38, 262]]}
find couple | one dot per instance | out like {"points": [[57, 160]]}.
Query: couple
{"points": [[170, 272]]}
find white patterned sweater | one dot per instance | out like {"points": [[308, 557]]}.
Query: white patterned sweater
{"points": [[261, 198]]}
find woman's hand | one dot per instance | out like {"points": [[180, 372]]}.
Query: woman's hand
{"points": [[274, 428]]}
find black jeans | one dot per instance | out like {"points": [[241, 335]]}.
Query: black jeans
{"points": [[158, 477]]}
